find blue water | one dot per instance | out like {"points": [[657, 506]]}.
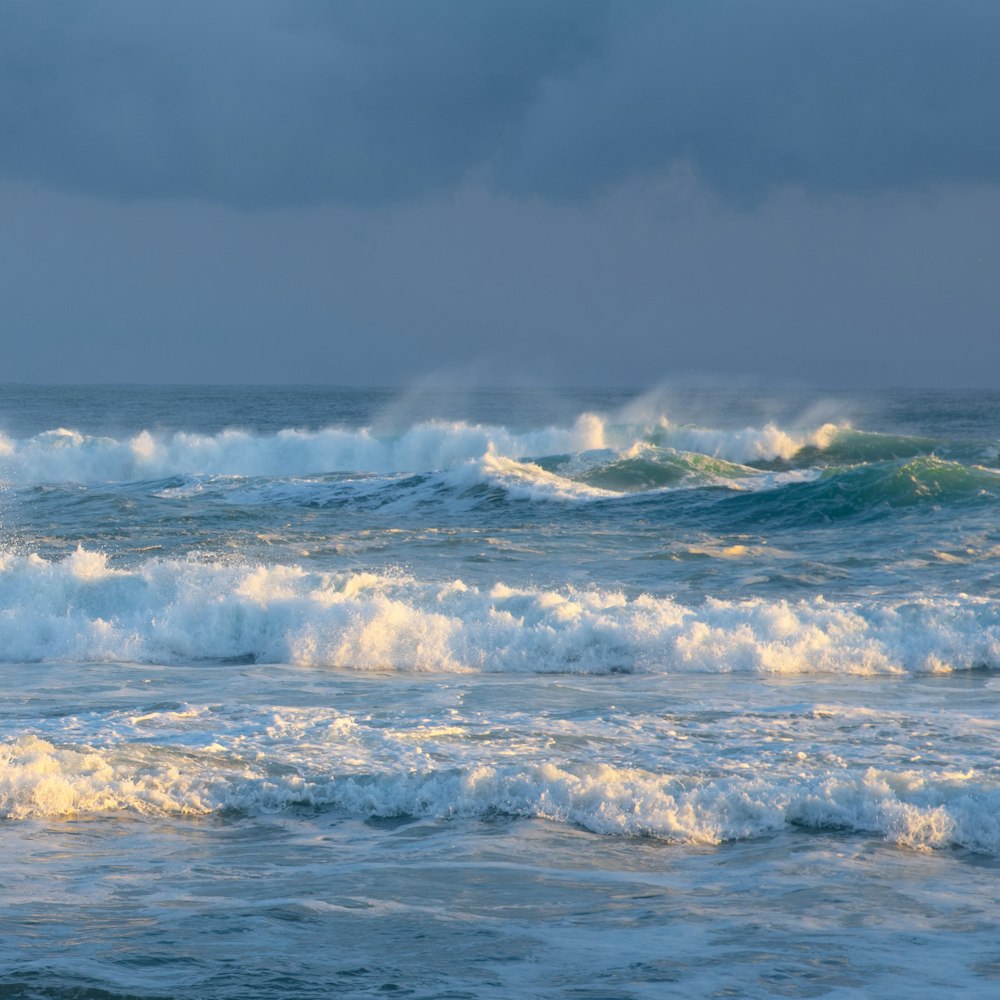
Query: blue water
{"points": [[488, 693]]}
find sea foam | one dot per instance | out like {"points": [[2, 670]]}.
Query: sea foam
{"points": [[915, 809], [81, 608]]}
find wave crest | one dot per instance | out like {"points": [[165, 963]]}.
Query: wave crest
{"points": [[64, 455]]}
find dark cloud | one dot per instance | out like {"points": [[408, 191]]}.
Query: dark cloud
{"points": [[283, 102], [856, 96]]}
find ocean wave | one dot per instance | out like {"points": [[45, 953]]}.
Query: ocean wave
{"points": [[641, 475], [923, 809], [63, 455], [82, 609], [647, 482], [873, 490], [853, 447], [482, 483], [646, 467]]}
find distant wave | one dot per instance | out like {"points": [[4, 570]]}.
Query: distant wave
{"points": [[796, 477], [63, 455], [168, 611], [916, 809]]}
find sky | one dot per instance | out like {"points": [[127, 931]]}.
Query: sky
{"points": [[536, 192]]}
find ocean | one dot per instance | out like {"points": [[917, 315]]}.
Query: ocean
{"points": [[448, 693]]}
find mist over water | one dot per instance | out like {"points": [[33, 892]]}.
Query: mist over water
{"points": [[457, 681]]}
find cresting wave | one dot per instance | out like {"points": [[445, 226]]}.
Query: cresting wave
{"points": [[814, 476], [80, 609], [916, 809], [794, 496], [62, 455]]}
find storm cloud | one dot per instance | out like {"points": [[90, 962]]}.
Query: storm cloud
{"points": [[270, 103]]}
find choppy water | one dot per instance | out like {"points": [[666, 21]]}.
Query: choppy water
{"points": [[311, 692]]}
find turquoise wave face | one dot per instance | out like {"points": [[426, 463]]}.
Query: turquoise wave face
{"points": [[656, 468], [851, 447], [871, 492]]}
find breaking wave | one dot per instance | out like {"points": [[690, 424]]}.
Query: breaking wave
{"points": [[915, 809], [636, 455], [82, 609]]}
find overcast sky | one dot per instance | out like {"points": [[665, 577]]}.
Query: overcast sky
{"points": [[527, 191]]}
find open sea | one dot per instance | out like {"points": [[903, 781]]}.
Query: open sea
{"points": [[314, 692]]}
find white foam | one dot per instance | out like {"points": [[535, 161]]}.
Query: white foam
{"points": [[82, 609], [915, 809], [67, 456], [64, 455], [749, 444]]}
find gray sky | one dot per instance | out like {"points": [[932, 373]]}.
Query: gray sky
{"points": [[542, 192]]}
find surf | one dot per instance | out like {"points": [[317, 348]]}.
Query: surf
{"points": [[83, 609]]}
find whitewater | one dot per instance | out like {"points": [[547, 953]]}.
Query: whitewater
{"points": [[478, 693]]}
